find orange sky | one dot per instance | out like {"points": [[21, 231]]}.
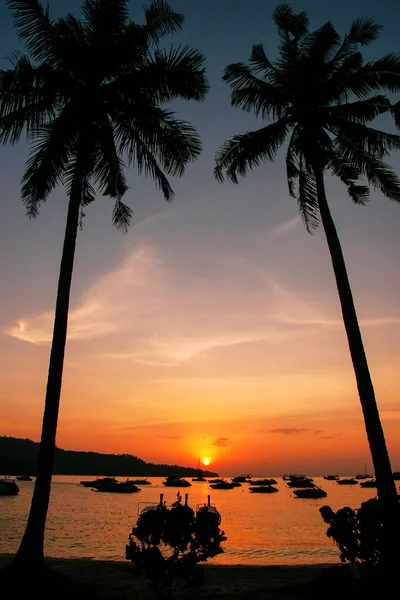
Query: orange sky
{"points": [[213, 327]]}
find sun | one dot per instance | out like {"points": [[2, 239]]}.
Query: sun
{"points": [[206, 462]]}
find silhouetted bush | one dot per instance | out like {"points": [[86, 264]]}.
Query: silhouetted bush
{"points": [[167, 544], [357, 533]]}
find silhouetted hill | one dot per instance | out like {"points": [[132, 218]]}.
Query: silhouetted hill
{"points": [[19, 456]]}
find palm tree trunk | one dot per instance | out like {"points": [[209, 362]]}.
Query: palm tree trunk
{"points": [[383, 472], [31, 551]]}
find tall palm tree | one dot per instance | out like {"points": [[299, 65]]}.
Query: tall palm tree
{"points": [[321, 97], [90, 96]]}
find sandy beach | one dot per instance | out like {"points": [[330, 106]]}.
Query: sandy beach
{"points": [[117, 580]]}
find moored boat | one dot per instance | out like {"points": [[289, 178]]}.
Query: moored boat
{"points": [[350, 481], [371, 483], [299, 482], [263, 482], [218, 480], [364, 475], [120, 487], [139, 481], [176, 481], [310, 492], [241, 478], [23, 478], [263, 489], [331, 477], [8, 487], [94, 482], [223, 485]]}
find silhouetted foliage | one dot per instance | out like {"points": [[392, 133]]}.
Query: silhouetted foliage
{"points": [[167, 544], [357, 533]]}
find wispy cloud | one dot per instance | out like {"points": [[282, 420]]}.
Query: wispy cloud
{"points": [[288, 430], [158, 313], [221, 441], [286, 226]]}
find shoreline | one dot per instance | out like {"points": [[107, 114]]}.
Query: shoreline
{"points": [[118, 579]]}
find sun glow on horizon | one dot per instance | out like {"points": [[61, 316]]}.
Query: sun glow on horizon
{"points": [[206, 462]]}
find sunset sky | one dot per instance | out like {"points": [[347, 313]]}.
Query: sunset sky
{"points": [[212, 329]]}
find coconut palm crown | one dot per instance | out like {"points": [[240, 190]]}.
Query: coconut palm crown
{"points": [[321, 96], [90, 95]]}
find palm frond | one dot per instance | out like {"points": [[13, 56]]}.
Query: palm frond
{"points": [[395, 109], [175, 73], [108, 169], [366, 139], [378, 173], [349, 175], [321, 44], [49, 158], [252, 94], [248, 150], [105, 17], [363, 31], [173, 142], [142, 157], [259, 61], [34, 27], [162, 20], [307, 198], [381, 74], [361, 111], [27, 99], [122, 215], [288, 22], [292, 164]]}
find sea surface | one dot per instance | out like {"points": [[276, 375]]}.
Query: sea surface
{"points": [[262, 529]]}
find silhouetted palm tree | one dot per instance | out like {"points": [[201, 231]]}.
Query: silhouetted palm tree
{"points": [[90, 96], [320, 96]]}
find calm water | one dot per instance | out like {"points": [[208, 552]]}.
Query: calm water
{"points": [[261, 528]]}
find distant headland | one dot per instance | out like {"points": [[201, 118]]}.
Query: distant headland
{"points": [[19, 456]]}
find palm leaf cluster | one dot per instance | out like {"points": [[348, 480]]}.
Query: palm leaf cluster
{"points": [[90, 94], [320, 97]]}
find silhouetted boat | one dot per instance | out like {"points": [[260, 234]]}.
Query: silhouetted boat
{"points": [[364, 475], [139, 481], [94, 482], [263, 489], [176, 481], [331, 477], [299, 482], [241, 478], [311, 492], [215, 480], [290, 476], [396, 474], [368, 484], [123, 487], [8, 487], [263, 482], [351, 481], [199, 476], [223, 485], [23, 478]]}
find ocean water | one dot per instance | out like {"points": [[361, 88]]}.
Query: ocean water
{"points": [[262, 529]]}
